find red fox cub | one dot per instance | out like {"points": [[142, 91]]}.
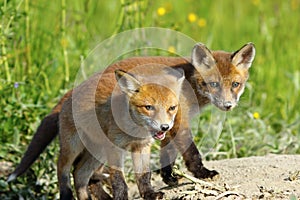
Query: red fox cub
{"points": [[219, 78], [127, 118], [215, 77]]}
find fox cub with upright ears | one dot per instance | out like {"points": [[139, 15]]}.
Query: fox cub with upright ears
{"points": [[215, 77], [99, 123]]}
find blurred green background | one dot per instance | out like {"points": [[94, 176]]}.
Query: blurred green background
{"points": [[42, 43]]}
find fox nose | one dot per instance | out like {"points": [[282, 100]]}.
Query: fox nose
{"points": [[227, 105], [164, 127]]}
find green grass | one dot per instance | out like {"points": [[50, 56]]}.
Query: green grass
{"points": [[42, 43]]}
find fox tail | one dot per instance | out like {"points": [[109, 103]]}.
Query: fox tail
{"points": [[44, 135]]}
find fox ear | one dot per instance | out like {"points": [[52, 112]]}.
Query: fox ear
{"points": [[244, 57], [127, 82], [202, 58], [179, 75]]}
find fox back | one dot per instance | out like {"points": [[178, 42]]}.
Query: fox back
{"points": [[215, 76]]}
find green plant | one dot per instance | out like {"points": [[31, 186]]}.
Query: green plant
{"points": [[42, 43]]}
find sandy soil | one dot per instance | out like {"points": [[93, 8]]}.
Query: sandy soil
{"points": [[267, 177]]}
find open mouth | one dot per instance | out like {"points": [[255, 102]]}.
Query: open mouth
{"points": [[159, 135]]}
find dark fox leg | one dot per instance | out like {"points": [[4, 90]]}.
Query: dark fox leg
{"points": [[192, 157], [168, 154], [119, 186], [70, 148], [83, 170], [141, 166], [184, 143], [115, 162]]}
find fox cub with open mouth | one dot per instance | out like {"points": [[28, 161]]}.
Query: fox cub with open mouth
{"points": [[216, 77], [100, 122]]}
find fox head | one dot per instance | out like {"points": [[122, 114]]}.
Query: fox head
{"points": [[221, 76], [151, 105]]}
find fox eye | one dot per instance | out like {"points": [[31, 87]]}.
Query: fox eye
{"points": [[235, 84], [149, 107], [214, 84], [172, 108]]}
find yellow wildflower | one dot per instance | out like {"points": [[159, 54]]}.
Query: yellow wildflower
{"points": [[171, 49], [202, 22], [256, 115], [192, 17], [256, 2], [161, 11], [294, 4], [64, 42]]}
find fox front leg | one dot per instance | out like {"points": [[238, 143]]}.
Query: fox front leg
{"points": [[118, 184], [116, 161], [168, 154], [141, 162], [192, 157], [183, 141], [84, 168]]}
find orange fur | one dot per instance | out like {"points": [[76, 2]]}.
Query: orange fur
{"points": [[130, 116], [205, 70]]}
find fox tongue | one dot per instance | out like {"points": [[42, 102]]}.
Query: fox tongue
{"points": [[160, 135]]}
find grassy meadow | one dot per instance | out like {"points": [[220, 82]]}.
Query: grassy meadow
{"points": [[43, 42]]}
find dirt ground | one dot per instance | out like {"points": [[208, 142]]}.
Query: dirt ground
{"points": [[267, 177]]}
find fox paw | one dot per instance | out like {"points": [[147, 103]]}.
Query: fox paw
{"points": [[206, 173], [170, 180], [168, 177], [153, 195]]}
